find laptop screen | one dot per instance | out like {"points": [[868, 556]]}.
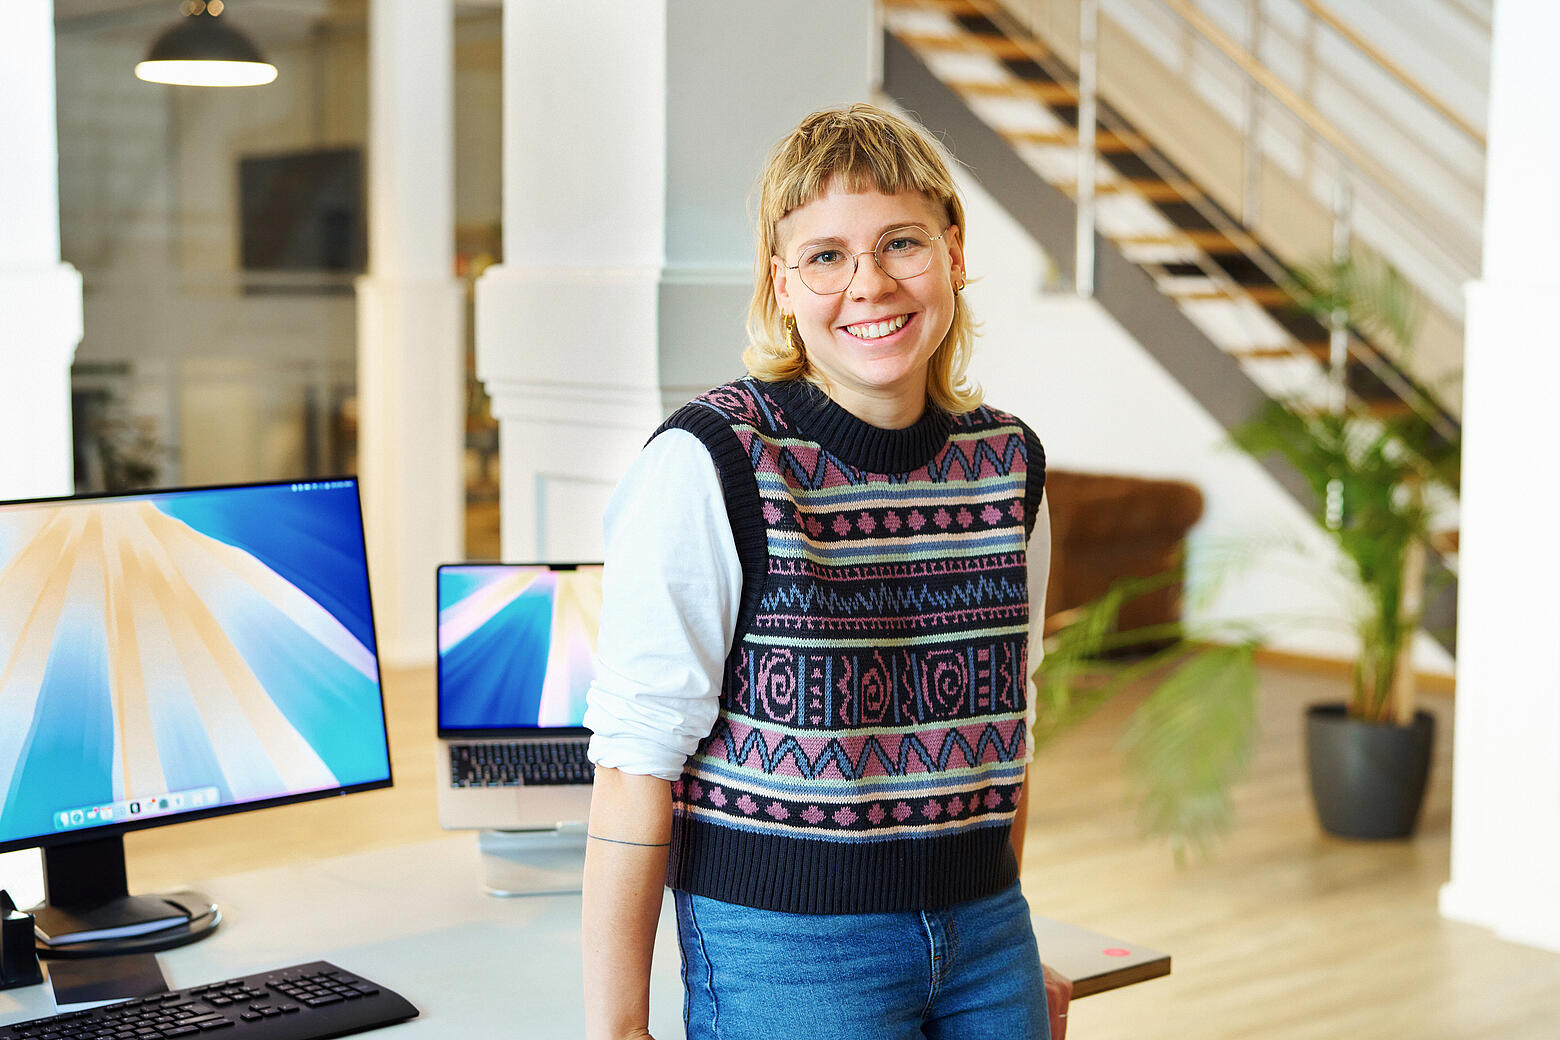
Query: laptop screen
{"points": [[516, 645]]}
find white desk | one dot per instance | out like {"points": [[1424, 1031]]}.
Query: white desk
{"points": [[416, 918]]}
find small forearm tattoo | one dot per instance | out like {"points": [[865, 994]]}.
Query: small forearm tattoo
{"points": [[637, 844]]}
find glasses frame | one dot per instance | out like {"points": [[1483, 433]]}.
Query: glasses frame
{"points": [[855, 261]]}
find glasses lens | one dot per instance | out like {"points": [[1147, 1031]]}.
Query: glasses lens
{"points": [[825, 269], [904, 252]]}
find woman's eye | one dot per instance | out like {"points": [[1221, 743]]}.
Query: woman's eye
{"points": [[823, 258], [905, 244]]}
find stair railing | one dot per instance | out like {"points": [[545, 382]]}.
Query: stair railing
{"points": [[1353, 169], [1351, 162]]}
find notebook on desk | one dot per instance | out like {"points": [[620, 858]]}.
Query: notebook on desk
{"points": [[1096, 963], [517, 644]]}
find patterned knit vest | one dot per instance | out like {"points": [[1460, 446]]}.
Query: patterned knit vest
{"points": [[869, 749]]}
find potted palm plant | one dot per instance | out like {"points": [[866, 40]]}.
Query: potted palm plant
{"points": [[1373, 478]]}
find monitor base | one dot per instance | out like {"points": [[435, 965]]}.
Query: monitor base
{"points": [[129, 924]]}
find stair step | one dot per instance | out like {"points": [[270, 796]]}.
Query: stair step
{"points": [[955, 7], [1104, 141], [1211, 242], [1263, 295], [1387, 407], [1153, 191], [1265, 354], [1268, 295], [967, 43], [1045, 93], [1382, 408]]}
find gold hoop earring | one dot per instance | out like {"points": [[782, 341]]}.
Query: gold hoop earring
{"points": [[790, 334]]}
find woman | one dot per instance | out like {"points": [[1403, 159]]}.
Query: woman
{"points": [[811, 717]]}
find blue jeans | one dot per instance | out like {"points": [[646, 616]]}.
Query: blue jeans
{"points": [[964, 972]]}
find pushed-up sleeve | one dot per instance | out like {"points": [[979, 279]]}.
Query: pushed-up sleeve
{"points": [[671, 591]]}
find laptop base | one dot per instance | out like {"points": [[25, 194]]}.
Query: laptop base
{"points": [[544, 862]]}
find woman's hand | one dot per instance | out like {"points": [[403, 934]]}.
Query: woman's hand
{"points": [[1058, 995]]}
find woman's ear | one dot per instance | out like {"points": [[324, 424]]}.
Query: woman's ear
{"points": [[779, 279], [955, 242]]}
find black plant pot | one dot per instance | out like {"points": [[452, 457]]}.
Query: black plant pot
{"points": [[1367, 778]]}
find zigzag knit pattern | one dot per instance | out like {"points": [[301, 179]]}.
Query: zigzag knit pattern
{"points": [[870, 745]]}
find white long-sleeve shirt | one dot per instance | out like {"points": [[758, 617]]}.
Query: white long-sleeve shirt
{"points": [[672, 588]]}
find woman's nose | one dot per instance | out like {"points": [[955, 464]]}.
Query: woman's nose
{"points": [[869, 280]]}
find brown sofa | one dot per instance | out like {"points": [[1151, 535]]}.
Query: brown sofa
{"points": [[1108, 527]]}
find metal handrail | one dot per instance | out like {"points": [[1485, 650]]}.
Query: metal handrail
{"points": [[1392, 68]]}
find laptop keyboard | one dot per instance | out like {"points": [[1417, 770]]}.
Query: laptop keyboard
{"points": [[530, 762]]}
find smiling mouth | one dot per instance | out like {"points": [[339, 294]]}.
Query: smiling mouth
{"points": [[878, 329]]}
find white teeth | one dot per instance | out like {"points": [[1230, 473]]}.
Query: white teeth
{"points": [[877, 329]]}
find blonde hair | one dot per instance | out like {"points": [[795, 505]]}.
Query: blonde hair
{"points": [[867, 149]]}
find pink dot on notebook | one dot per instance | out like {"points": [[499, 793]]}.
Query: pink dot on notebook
{"points": [[1116, 951]]}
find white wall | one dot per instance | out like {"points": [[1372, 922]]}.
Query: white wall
{"points": [[40, 298], [1506, 792]]}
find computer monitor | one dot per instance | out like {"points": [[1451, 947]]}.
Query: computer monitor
{"points": [[168, 656]]}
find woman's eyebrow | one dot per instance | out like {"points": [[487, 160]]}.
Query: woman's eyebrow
{"points": [[885, 229]]}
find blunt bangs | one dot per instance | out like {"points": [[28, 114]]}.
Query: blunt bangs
{"points": [[863, 148]]}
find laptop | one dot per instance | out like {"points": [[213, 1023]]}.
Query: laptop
{"points": [[517, 644]]}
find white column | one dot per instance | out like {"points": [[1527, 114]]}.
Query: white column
{"points": [[411, 368], [40, 297], [632, 136], [1506, 788]]}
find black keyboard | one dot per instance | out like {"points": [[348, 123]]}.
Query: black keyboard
{"points": [[304, 1002], [529, 762]]}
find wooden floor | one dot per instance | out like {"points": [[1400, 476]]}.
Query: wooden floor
{"points": [[1285, 932], [1284, 935]]}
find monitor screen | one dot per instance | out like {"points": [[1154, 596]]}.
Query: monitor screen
{"points": [[170, 655], [516, 645]]}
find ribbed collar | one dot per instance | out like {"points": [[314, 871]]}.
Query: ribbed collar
{"points": [[855, 441]]}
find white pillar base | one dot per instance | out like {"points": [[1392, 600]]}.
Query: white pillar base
{"points": [[411, 392], [40, 325]]}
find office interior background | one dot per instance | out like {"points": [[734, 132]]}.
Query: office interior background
{"points": [[537, 244]]}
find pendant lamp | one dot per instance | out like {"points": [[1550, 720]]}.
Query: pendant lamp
{"points": [[203, 50]]}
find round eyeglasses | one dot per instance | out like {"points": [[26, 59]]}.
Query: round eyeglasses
{"points": [[827, 269]]}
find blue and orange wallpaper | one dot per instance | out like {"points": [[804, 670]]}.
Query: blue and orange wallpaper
{"points": [[183, 650], [516, 645]]}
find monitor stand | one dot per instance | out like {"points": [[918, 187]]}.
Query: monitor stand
{"points": [[88, 910], [544, 862]]}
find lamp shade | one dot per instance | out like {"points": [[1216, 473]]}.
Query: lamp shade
{"points": [[203, 51]]}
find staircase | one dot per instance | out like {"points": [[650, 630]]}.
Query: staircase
{"points": [[1183, 276]]}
